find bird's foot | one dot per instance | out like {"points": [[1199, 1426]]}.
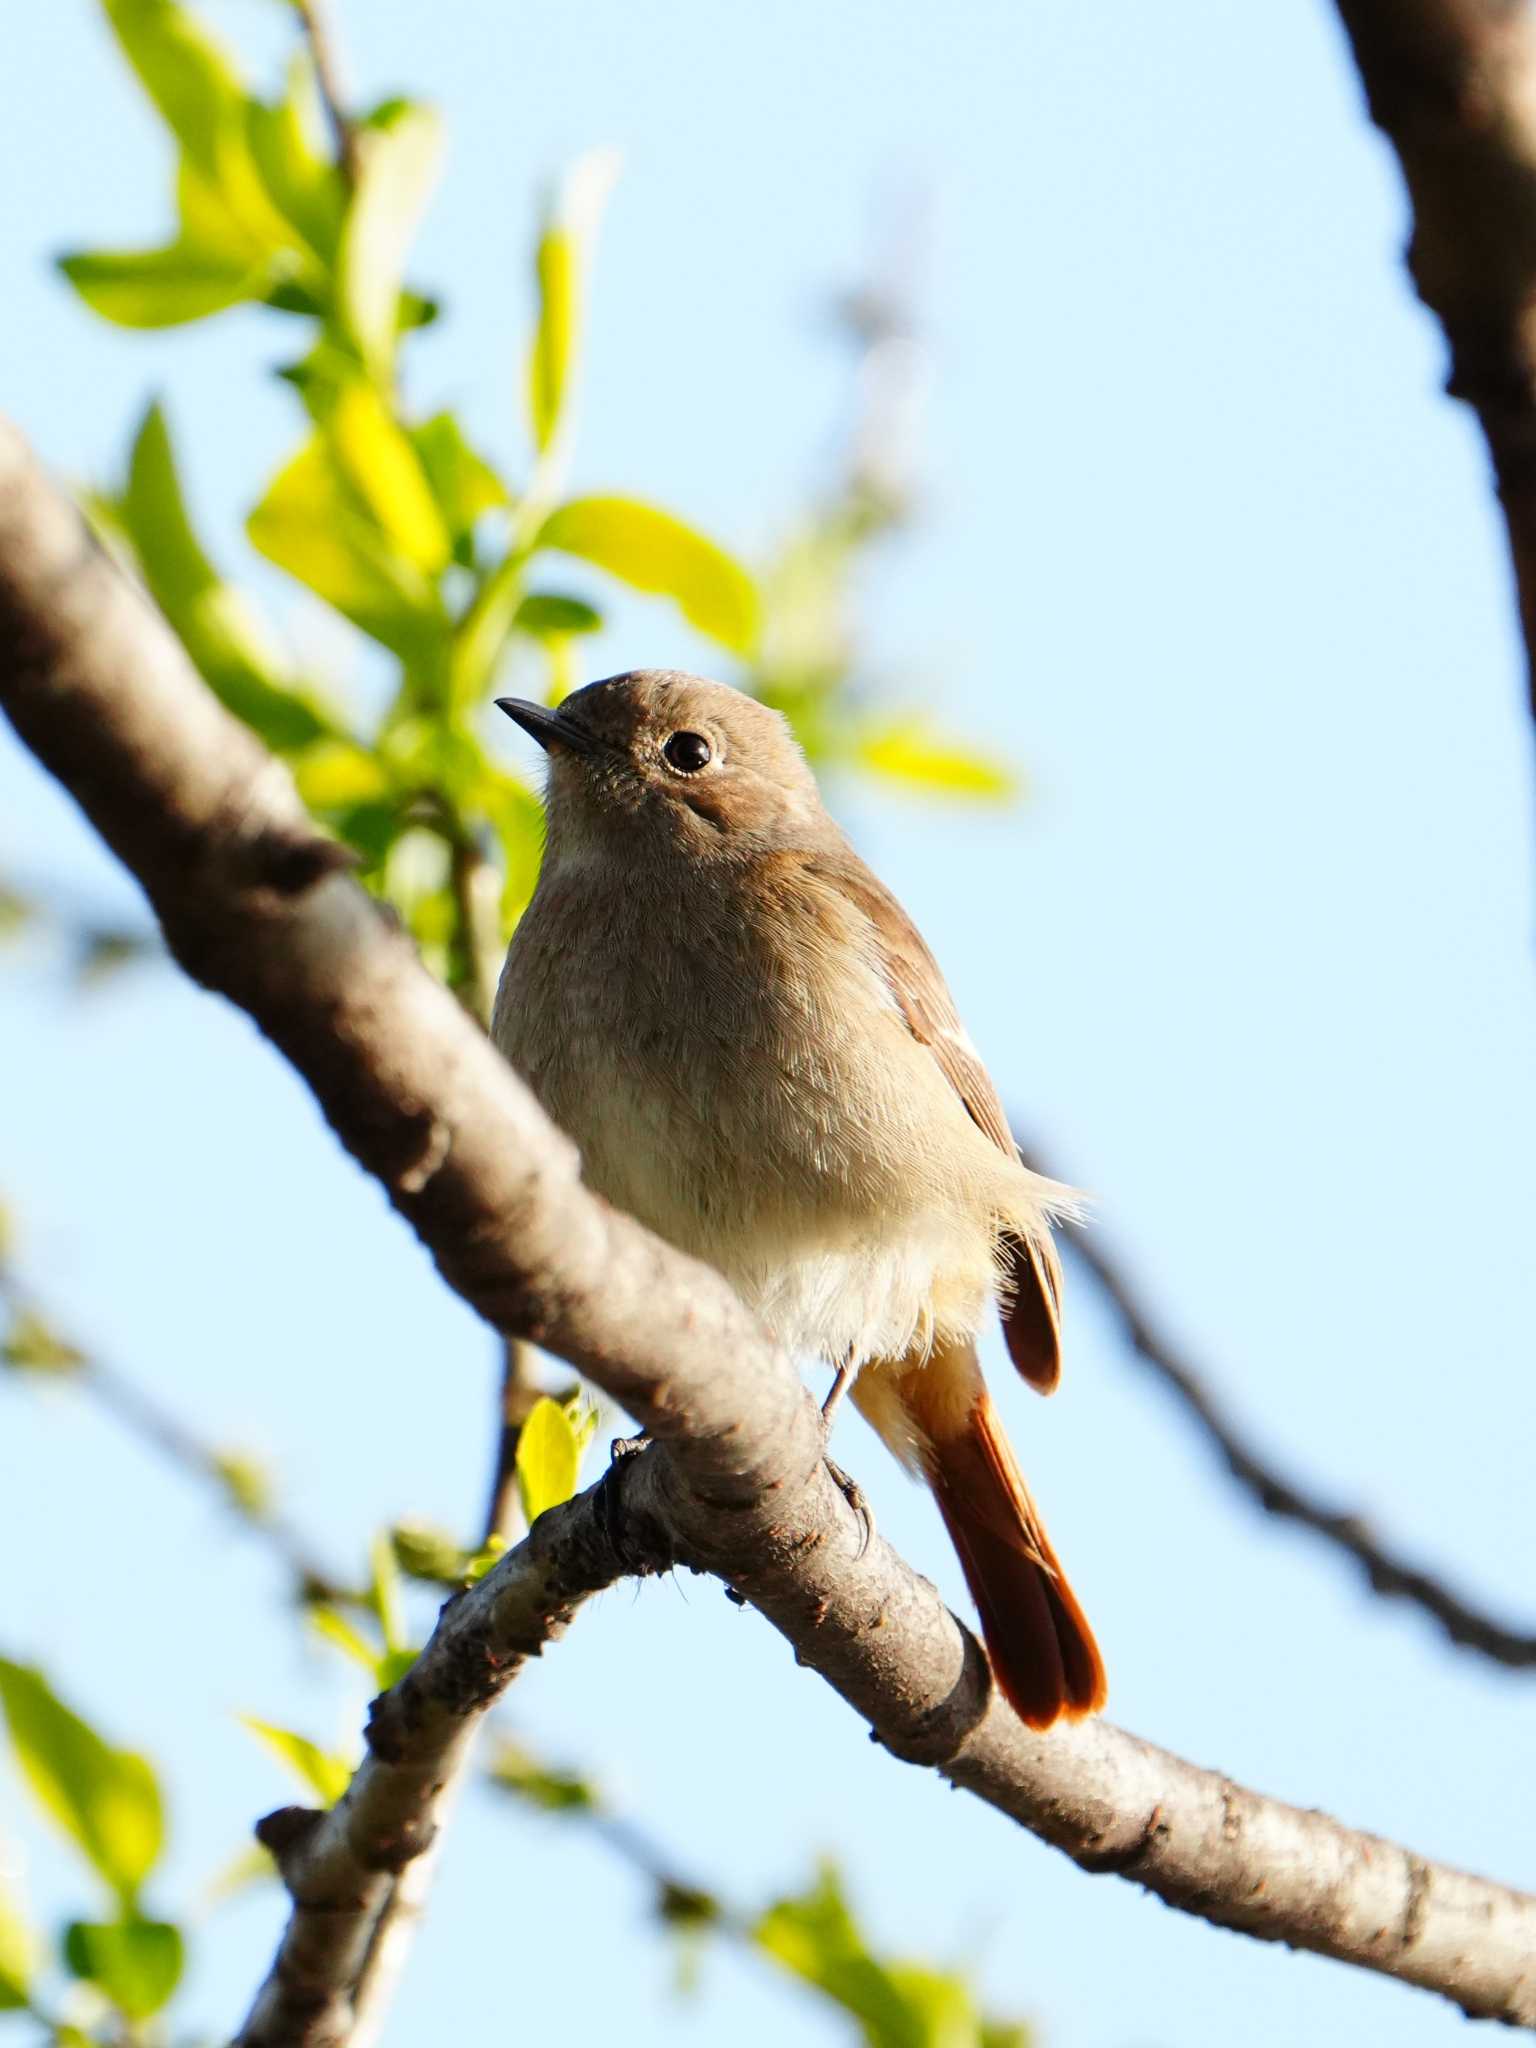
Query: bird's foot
{"points": [[627, 1447], [857, 1499]]}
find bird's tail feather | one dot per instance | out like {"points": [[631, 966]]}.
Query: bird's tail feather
{"points": [[1039, 1643]]}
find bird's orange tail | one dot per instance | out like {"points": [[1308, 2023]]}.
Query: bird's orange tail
{"points": [[1041, 1648]]}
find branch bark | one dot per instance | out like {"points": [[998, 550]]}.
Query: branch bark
{"points": [[1452, 84], [254, 904]]}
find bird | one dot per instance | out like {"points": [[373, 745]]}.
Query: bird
{"points": [[757, 1057]]}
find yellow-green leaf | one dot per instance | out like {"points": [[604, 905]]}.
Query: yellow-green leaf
{"points": [[334, 773], [384, 469], [160, 287], [203, 101], [556, 262], [32, 1345], [384, 1591], [312, 523], [216, 622], [185, 73], [321, 1771], [548, 615], [463, 482], [548, 1458], [515, 1769], [247, 1867], [137, 1963], [301, 181], [399, 152], [648, 548], [106, 1800], [18, 1954], [423, 1551], [912, 753], [560, 262], [340, 1633]]}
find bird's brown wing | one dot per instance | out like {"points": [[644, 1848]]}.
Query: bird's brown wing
{"points": [[1031, 1316]]}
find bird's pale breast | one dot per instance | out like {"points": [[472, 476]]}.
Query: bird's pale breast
{"points": [[744, 1083]]}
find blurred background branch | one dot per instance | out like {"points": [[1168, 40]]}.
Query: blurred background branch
{"points": [[34, 1347], [1387, 1572]]}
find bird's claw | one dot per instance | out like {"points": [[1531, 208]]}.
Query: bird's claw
{"points": [[857, 1499]]}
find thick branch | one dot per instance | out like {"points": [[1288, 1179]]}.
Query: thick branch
{"points": [[1452, 83], [253, 904], [343, 1868]]}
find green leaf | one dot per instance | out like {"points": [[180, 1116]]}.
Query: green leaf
{"points": [[334, 774], [897, 2005], [582, 1416], [160, 287], [548, 1458], [202, 99], [247, 1868], [216, 624], [559, 268], [183, 70], [380, 462], [463, 483], [33, 1345], [393, 1666], [246, 1480], [101, 953], [485, 1559], [340, 1633], [545, 613], [18, 1955], [16, 911], [300, 179], [909, 752], [653, 551], [384, 1591], [399, 151], [312, 523], [137, 1963], [106, 1800], [515, 1770], [321, 1771], [423, 1551]]}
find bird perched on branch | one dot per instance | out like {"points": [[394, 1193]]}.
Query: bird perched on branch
{"points": [[757, 1056]]}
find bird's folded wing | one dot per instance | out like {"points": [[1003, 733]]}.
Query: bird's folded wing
{"points": [[1031, 1314]]}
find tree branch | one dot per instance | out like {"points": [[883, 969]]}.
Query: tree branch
{"points": [[344, 1868], [254, 903], [322, 50], [1452, 84], [1390, 1575]]}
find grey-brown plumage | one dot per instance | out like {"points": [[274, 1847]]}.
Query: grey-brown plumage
{"points": [[758, 1057]]}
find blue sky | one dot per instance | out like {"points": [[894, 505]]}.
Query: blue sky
{"points": [[1205, 549]]}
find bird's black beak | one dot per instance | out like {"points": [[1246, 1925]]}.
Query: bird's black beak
{"points": [[549, 728]]}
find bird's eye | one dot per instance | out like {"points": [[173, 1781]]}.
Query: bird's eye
{"points": [[687, 752]]}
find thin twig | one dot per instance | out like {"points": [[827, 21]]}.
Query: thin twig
{"points": [[1389, 1574], [153, 1423], [520, 1389], [322, 50]]}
